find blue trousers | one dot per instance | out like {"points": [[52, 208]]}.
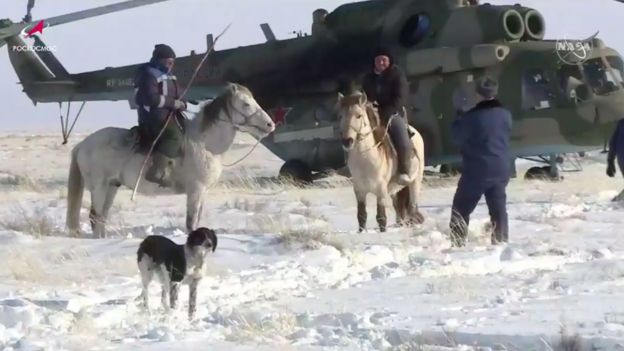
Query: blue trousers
{"points": [[400, 138], [465, 201]]}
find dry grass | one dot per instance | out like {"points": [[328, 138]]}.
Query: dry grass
{"points": [[569, 342], [249, 184], [20, 182], [36, 223], [250, 328], [62, 267], [310, 240], [83, 335]]}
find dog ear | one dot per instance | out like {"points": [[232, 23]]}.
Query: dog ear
{"points": [[213, 238]]}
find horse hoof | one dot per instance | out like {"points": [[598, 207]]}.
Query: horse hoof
{"points": [[419, 218]]}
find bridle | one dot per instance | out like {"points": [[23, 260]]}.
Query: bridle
{"points": [[359, 136], [246, 117]]}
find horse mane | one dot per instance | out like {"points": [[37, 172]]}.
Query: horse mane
{"points": [[379, 129], [210, 113]]}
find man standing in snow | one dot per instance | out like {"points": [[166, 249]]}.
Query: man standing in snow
{"points": [[616, 150], [482, 135]]}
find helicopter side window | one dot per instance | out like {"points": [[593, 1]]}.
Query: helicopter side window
{"points": [[536, 90], [618, 69], [415, 30], [604, 80]]}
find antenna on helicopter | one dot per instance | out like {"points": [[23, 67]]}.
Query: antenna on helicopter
{"points": [[268, 32]]}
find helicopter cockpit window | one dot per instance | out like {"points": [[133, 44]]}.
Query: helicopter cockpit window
{"points": [[536, 90], [415, 30], [602, 79]]}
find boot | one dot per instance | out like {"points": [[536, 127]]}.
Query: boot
{"points": [[160, 170]]}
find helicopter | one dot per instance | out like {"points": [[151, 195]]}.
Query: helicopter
{"points": [[565, 95]]}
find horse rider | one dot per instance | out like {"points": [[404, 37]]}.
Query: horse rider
{"points": [[482, 134], [158, 96], [387, 87], [616, 150]]}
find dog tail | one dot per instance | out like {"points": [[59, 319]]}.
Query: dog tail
{"points": [[75, 190]]}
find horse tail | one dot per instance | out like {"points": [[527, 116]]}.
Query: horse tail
{"points": [[75, 190]]}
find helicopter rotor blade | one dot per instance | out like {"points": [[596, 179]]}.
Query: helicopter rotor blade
{"points": [[98, 11], [13, 29]]}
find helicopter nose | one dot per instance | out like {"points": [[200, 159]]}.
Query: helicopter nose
{"points": [[347, 142]]}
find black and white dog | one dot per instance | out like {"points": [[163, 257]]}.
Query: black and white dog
{"points": [[175, 264]]}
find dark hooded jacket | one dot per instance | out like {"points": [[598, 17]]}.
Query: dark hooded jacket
{"points": [[156, 92], [389, 89], [616, 145], [482, 135]]}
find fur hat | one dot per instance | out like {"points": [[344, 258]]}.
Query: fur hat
{"points": [[384, 52], [162, 51], [487, 87]]}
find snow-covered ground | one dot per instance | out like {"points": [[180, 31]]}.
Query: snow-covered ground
{"points": [[291, 273]]}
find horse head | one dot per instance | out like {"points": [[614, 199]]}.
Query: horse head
{"points": [[240, 109], [358, 118]]}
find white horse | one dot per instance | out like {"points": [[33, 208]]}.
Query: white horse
{"points": [[108, 158], [372, 163]]}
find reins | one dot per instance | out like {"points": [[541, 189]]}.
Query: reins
{"points": [[382, 139]]}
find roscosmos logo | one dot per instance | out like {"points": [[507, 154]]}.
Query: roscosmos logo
{"points": [[30, 31]]}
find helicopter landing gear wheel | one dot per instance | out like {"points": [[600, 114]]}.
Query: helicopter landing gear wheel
{"points": [[543, 173], [296, 171]]}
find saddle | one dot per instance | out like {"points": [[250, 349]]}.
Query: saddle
{"points": [[139, 142]]}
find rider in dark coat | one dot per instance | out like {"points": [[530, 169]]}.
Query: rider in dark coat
{"points": [[387, 86], [157, 97]]}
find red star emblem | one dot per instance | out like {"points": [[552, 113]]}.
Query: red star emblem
{"points": [[278, 114]]}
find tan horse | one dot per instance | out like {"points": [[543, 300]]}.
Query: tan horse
{"points": [[372, 162]]}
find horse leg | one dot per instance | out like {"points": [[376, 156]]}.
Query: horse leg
{"points": [[397, 210], [381, 214], [383, 200], [200, 212], [619, 197], [194, 198], [360, 196], [96, 218], [402, 197], [111, 192], [412, 203]]}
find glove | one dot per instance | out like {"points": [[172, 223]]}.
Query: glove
{"points": [[179, 105], [611, 170]]}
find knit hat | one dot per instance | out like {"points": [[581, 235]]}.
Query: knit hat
{"points": [[487, 87], [384, 52], [162, 51]]}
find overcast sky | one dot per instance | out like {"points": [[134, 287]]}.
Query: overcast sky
{"points": [[128, 37]]}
